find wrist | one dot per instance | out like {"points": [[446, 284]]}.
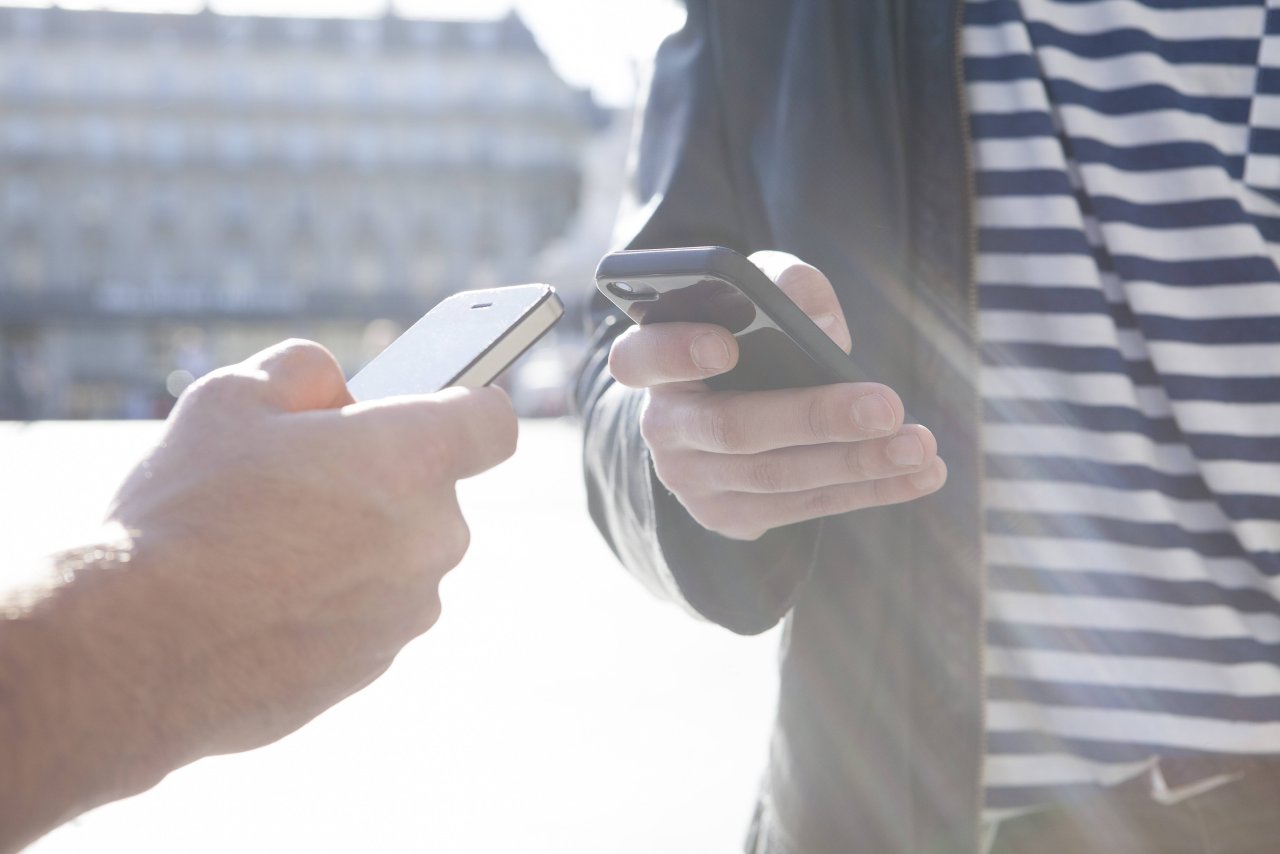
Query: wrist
{"points": [[77, 672]]}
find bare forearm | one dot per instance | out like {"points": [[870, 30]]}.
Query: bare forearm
{"points": [[72, 735]]}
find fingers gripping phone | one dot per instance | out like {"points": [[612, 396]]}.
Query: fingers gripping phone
{"points": [[466, 340], [778, 345]]}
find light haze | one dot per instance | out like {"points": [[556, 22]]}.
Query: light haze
{"points": [[603, 45]]}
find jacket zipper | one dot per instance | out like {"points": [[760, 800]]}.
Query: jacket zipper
{"points": [[972, 237]]}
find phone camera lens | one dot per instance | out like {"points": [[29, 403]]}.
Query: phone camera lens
{"points": [[632, 293]]}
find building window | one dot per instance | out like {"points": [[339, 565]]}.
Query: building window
{"points": [[29, 25], [488, 244], [302, 31], [235, 145], [304, 256], [238, 274], [165, 85], [426, 145], [366, 148], [367, 263], [94, 239], [483, 34], [99, 139], [94, 79], [300, 148], [364, 35], [303, 90], [167, 144], [426, 89], [93, 255], [365, 89], [235, 86], [162, 246], [426, 33], [26, 258], [429, 261], [237, 30], [23, 138], [21, 81], [20, 198]]}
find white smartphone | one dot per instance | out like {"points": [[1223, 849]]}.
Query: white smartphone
{"points": [[467, 340]]}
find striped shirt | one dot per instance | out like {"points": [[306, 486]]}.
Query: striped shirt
{"points": [[1127, 159]]}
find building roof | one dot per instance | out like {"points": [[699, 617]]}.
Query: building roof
{"points": [[387, 33]]}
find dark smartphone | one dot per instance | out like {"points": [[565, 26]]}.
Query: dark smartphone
{"points": [[466, 340], [778, 345]]}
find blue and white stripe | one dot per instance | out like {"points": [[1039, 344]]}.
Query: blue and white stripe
{"points": [[1128, 180]]}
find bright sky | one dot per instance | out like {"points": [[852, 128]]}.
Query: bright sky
{"points": [[595, 43]]}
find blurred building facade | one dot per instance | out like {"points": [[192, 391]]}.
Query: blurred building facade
{"points": [[179, 190]]}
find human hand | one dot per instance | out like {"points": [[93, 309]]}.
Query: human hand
{"points": [[743, 463], [272, 555], [288, 542]]}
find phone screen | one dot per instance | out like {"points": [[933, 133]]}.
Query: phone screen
{"points": [[466, 340]]}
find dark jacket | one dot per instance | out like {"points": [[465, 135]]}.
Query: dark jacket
{"points": [[835, 131]]}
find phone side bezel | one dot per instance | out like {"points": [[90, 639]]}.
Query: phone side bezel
{"points": [[652, 266], [512, 344]]}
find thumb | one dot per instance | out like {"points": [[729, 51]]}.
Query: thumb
{"points": [[299, 376]]}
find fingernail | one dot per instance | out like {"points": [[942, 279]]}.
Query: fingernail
{"points": [[709, 352], [825, 321], [873, 412], [927, 480], [906, 451]]}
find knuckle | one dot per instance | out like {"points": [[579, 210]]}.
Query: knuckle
{"points": [[674, 477], [655, 423], [819, 419], [626, 353], [712, 515], [429, 613], [882, 492], [618, 359], [426, 615], [765, 473], [222, 387], [301, 348], [724, 429], [421, 609], [510, 440], [742, 530], [855, 461], [820, 502], [452, 541], [306, 355], [729, 519]]}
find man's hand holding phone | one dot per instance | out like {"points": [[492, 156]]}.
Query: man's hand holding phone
{"points": [[744, 462], [270, 557], [295, 540]]}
